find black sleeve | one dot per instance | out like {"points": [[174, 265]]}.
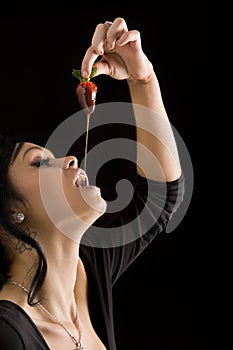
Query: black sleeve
{"points": [[125, 234], [159, 203], [9, 337]]}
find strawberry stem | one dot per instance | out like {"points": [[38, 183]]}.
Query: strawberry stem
{"points": [[77, 74]]}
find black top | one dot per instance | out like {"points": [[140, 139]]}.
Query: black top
{"points": [[147, 215]]}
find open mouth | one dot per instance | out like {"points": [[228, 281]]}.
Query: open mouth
{"points": [[81, 179]]}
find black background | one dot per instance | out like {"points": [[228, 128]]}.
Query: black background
{"points": [[178, 294]]}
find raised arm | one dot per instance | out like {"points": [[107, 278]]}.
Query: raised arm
{"points": [[123, 58]]}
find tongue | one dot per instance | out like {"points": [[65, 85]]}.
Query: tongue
{"points": [[81, 181]]}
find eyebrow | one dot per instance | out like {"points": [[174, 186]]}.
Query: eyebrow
{"points": [[31, 148]]}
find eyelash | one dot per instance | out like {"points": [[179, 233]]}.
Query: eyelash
{"points": [[41, 162]]}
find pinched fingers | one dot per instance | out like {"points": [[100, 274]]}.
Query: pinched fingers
{"points": [[96, 49], [104, 39], [88, 61]]}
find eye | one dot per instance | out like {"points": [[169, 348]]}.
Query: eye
{"points": [[39, 162]]}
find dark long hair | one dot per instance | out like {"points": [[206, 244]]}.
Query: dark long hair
{"points": [[9, 148]]}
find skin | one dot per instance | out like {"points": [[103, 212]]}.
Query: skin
{"points": [[61, 252], [122, 58]]}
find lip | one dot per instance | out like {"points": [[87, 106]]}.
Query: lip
{"points": [[77, 175], [97, 189]]}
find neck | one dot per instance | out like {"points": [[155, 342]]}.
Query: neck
{"points": [[57, 292]]}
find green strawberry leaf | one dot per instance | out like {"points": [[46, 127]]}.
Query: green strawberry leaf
{"points": [[77, 74], [93, 72]]}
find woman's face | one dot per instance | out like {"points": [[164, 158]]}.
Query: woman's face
{"points": [[55, 190]]}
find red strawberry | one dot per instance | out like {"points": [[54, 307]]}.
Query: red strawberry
{"points": [[86, 91], [86, 94]]}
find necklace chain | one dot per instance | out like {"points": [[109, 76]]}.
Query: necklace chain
{"points": [[78, 343]]}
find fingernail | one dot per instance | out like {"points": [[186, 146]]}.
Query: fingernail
{"points": [[84, 74]]}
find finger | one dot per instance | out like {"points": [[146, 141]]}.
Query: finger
{"points": [[96, 49], [131, 36], [114, 32], [88, 61], [99, 36], [102, 67]]}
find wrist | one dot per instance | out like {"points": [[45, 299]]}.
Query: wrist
{"points": [[145, 76], [143, 80]]}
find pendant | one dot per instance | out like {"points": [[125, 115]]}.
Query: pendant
{"points": [[80, 347]]}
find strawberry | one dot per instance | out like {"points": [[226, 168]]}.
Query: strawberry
{"points": [[86, 91]]}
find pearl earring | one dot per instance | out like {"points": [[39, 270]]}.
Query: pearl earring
{"points": [[20, 217]]}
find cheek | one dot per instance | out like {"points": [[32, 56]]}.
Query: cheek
{"points": [[28, 188], [31, 193]]}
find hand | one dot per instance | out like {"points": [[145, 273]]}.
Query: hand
{"points": [[121, 51]]}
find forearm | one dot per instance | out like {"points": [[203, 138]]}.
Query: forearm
{"points": [[157, 154], [123, 59]]}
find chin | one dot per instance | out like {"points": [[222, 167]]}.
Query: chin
{"points": [[92, 197]]}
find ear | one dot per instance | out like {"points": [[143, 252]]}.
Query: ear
{"points": [[17, 216], [17, 210]]}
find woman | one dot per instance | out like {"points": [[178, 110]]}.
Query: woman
{"points": [[56, 293]]}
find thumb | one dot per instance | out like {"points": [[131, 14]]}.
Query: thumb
{"points": [[102, 67]]}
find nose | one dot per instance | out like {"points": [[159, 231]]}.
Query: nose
{"points": [[70, 162]]}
